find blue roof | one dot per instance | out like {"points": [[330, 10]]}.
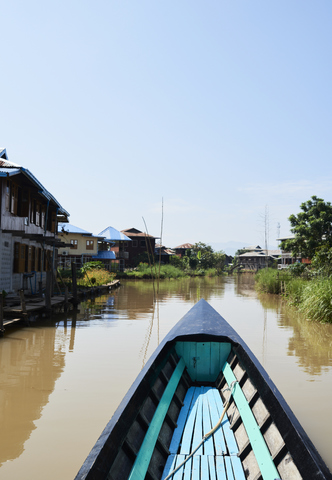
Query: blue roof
{"points": [[105, 255], [69, 228], [113, 234], [10, 169]]}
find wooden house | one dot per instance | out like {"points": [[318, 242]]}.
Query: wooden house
{"points": [[180, 250], [255, 257], [29, 215], [141, 245], [80, 246]]}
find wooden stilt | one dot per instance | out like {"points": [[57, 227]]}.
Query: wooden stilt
{"points": [[1, 315], [74, 280], [48, 292]]}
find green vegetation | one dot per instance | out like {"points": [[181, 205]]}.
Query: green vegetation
{"points": [[308, 286], [311, 227], [198, 261], [92, 274]]}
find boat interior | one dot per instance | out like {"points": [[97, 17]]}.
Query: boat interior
{"points": [[189, 391]]}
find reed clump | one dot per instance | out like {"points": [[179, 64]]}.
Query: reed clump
{"points": [[316, 300], [312, 295]]}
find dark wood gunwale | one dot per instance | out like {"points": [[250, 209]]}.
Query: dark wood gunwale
{"points": [[203, 323]]}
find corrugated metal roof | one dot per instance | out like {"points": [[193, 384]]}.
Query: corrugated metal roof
{"points": [[4, 171], [114, 235], [10, 169], [185, 245], [105, 255], [69, 228], [133, 232]]}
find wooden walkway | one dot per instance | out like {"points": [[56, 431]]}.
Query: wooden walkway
{"points": [[217, 458], [15, 313]]}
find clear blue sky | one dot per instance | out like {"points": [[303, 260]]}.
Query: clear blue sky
{"points": [[221, 108]]}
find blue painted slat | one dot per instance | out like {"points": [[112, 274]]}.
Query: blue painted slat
{"points": [[218, 436], [220, 468], [229, 435], [187, 469], [169, 467], [176, 439], [212, 467], [198, 428], [204, 468], [196, 468], [189, 427], [229, 469], [237, 468], [144, 455], [207, 425], [179, 474]]}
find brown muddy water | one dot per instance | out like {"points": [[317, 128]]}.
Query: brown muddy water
{"points": [[62, 379]]}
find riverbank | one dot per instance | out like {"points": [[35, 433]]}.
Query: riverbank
{"points": [[311, 295], [145, 271]]}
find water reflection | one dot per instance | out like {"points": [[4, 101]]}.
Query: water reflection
{"points": [[31, 360], [311, 342]]}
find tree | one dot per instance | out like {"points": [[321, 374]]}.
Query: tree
{"points": [[312, 228]]}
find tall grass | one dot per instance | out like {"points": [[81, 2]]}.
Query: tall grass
{"points": [[269, 280], [317, 300], [166, 271], [313, 297]]}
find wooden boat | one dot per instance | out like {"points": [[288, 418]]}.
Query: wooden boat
{"points": [[201, 368]]}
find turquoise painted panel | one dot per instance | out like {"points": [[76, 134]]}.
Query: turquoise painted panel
{"points": [[143, 458], [204, 360], [182, 418], [260, 449]]}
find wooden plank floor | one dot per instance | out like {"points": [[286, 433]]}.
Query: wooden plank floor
{"points": [[217, 457]]}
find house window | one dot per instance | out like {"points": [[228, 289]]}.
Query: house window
{"points": [[125, 244], [89, 244], [73, 244], [143, 244], [134, 243]]}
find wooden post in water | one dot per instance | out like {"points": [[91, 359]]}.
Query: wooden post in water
{"points": [[66, 298], [48, 291], [23, 304], [1, 315], [74, 282]]}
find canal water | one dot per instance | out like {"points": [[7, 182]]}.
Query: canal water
{"points": [[61, 379]]}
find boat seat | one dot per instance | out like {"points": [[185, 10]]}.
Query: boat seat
{"points": [[218, 457]]}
